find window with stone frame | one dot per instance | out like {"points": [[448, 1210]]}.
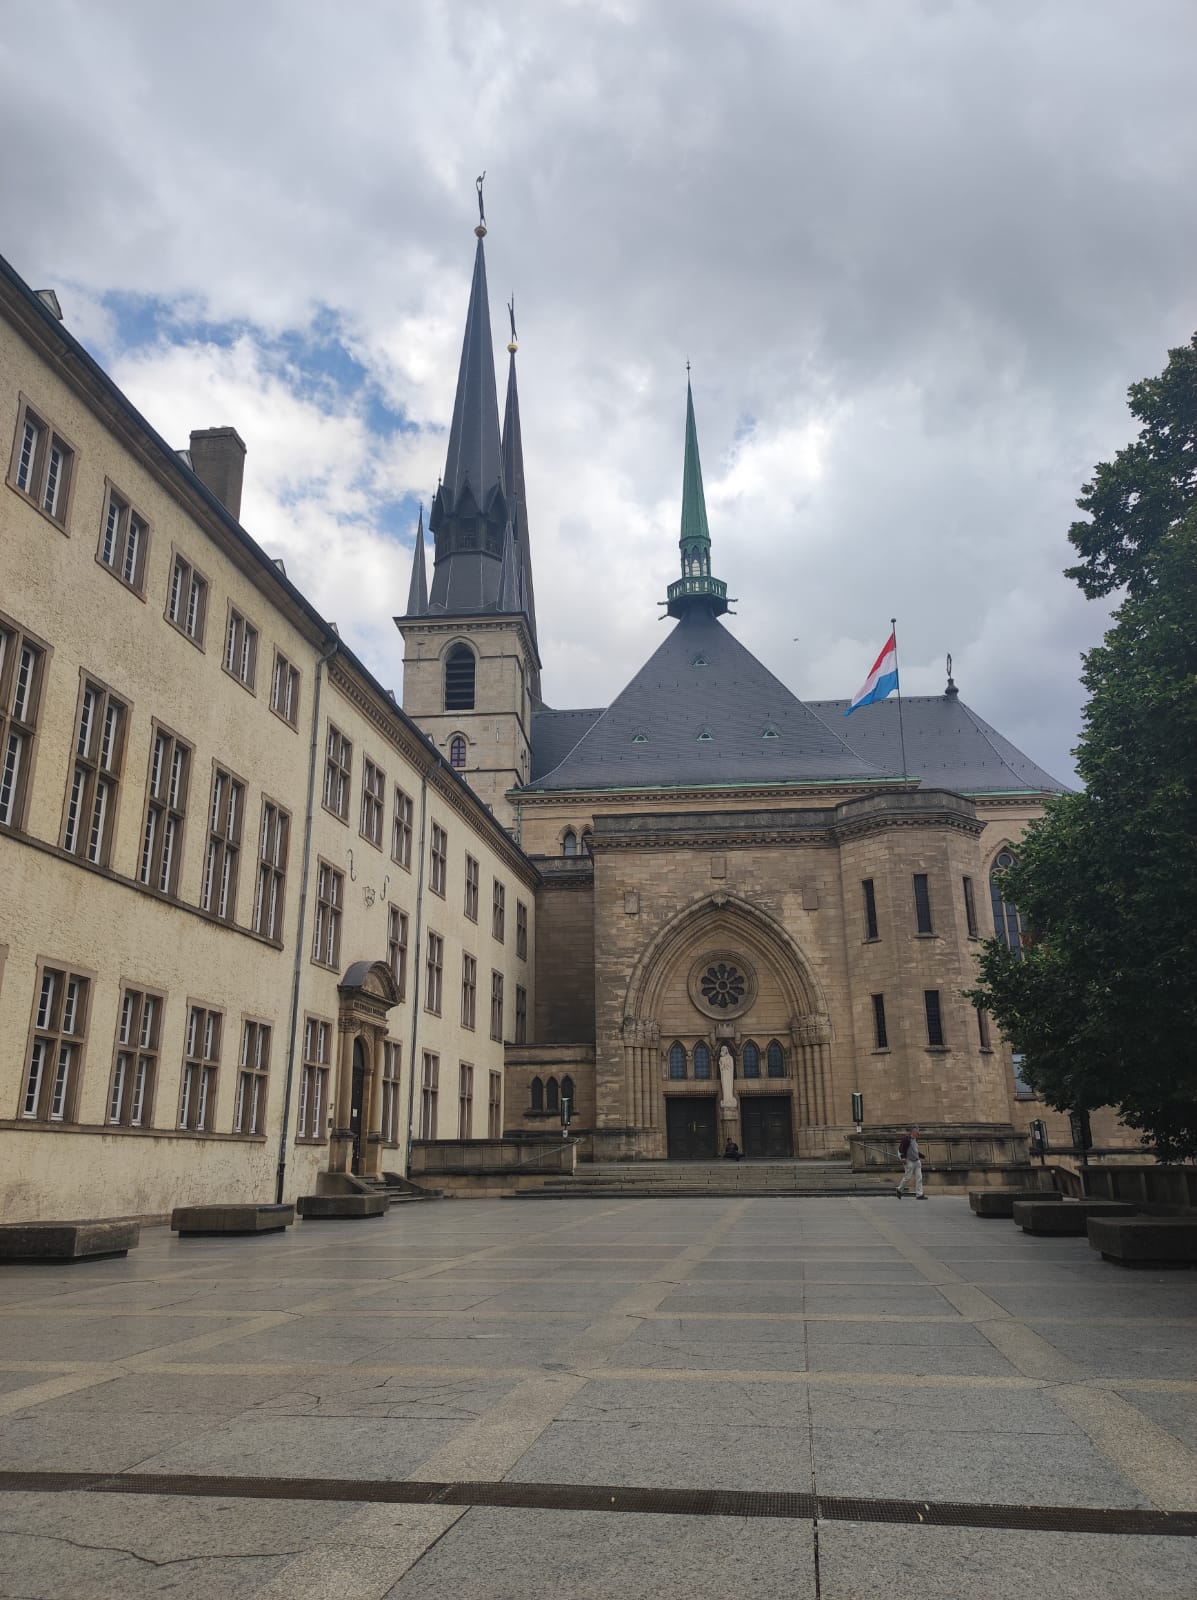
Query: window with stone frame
{"points": [[465, 1100], [313, 1082], [429, 1091], [457, 752], [135, 1060], [702, 1059], [469, 990], [270, 895], [521, 1014], [880, 1032], [22, 664], [374, 788], [218, 895], [471, 888], [521, 930], [496, 1006], [434, 972], [59, 1036], [498, 911], [1007, 923], [401, 829], [494, 1107], [775, 1060], [284, 690], [931, 1004], [970, 907], [536, 1094], [201, 1069], [338, 772], [677, 1060], [43, 464], [392, 1051], [750, 1059], [124, 541], [870, 908], [165, 811], [330, 901], [397, 948], [241, 649], [922, 904], [438, 863], [89, 822], [552, 1095], [249, 1111], [187, 599], [983, 1028]]}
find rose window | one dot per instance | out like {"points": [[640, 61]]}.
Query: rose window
{"points": [[723, 985]]}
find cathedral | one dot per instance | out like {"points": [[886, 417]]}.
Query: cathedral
{"points": [[757, 917]]}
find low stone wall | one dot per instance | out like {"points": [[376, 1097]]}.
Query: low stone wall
{"points": [[1145, 1183], [948, 1147], [445, 1159]]}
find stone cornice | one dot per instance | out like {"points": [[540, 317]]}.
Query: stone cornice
{"points": [[808, 795]]}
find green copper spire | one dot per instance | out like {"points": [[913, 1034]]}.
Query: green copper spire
{"points": [[696, 589]]}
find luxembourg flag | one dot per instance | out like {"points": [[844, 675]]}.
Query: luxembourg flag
{"points": [[882, 680]]}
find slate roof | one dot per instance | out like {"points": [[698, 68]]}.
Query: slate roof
{"points": [[696, 713], [947, 745]]}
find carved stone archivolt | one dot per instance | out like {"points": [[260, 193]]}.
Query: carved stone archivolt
{"points": [[641, 1031], [814, 1028]]}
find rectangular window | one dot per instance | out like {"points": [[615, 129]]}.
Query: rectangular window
{"points": [[21, 666], [330, 900], [465, 1100], [391, 1052], [496, 1006], [201, 1064], [428, 1092], [521, 1014], [880, 1035], [870, 908], [313, 1084], [521, 930], [56, 1052], [124, 541], [284, 690], [165, 812], [469, 990], [241, 649], [338, 768], [434, 971], [438, 872], [970, 908], [135, 1067], [983, 1027], [397, 948], [922, 904], [99, 750], [471, 888], [498, 911], [374, 788], [934, 1018], [221, 867], [401, 829], [43, 465], [187, 599], [494, 1107], [269, 898], [249, 1114]]}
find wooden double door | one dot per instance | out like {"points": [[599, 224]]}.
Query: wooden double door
{"points": [[692, 1128], [767, 1127]]}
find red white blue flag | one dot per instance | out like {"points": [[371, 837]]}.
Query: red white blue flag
{"points": [[882, 680]]}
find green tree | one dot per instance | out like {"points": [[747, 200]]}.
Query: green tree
{"points": [[1148, 489], [1103, 1002]]}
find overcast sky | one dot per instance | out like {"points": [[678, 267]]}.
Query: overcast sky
{"points": [[915, 253]]}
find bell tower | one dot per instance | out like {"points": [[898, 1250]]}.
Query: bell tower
{"points": [[471, 668]]}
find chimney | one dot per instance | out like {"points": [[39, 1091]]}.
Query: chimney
{"points": [[218, 461]]}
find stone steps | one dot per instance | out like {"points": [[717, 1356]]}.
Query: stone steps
{"points": [[690, 1180]]}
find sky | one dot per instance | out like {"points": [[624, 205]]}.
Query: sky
{"points": [[915, 251]]}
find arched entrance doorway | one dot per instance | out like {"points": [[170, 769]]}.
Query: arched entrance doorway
{"points": [[366, 994]]}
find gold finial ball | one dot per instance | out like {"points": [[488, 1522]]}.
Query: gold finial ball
{"points": [[480, 230], [512, 347]]}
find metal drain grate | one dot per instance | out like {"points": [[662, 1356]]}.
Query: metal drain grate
{"points": [[613, 1497]]}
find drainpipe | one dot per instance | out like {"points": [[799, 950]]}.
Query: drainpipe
{"points": [[281, 1171], [519, 823], [415, 976]]}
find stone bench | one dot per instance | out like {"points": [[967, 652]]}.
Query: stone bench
{"points": [[1145, 1241], [1000, 1202], [66, 1241], [197, 1220], [1065, 1216], [318, 1207]]}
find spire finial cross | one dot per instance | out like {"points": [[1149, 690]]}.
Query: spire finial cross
{"points": [[478, 182], [511, 314]]}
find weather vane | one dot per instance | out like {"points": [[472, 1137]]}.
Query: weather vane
{"points": [[478, 182], [514, 345]]}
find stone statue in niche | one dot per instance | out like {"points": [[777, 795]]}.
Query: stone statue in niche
{"points": [[727, 1070]]}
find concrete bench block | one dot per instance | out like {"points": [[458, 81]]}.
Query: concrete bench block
{"points": [[231, 1219], [315, 1207], [1066, 1216], [1000, 1202], [66, 1241], [1145, 1241]]}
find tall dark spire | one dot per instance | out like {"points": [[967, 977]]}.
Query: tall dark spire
{"points": [[469, 514], [417, 594], [513, 480], [696, 589]]}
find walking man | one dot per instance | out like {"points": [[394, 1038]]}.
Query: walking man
{"points": [[908, 1149]]}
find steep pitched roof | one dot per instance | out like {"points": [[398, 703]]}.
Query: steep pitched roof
{"points": [[417, 593], [948, 745], [702, 710], [513, 479]]}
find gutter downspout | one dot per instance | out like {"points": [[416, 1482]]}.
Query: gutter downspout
{"points": [[415, 977], [281, 1171]]}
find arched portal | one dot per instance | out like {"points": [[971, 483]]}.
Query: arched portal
{"points": [[366, 994], [724, 982]]}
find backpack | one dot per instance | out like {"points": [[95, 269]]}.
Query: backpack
{"points": [[903, 1145]]}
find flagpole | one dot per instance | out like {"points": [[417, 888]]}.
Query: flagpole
{"points": [[893, 624]]}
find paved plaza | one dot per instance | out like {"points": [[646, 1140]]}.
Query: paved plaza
{"points": [[503, 1399]]}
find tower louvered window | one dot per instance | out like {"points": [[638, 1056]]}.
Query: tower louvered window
{"points": [[459, 680]]}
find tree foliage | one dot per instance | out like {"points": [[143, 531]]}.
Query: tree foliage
{"points": [[1148, 489], [1103, 1003]]}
